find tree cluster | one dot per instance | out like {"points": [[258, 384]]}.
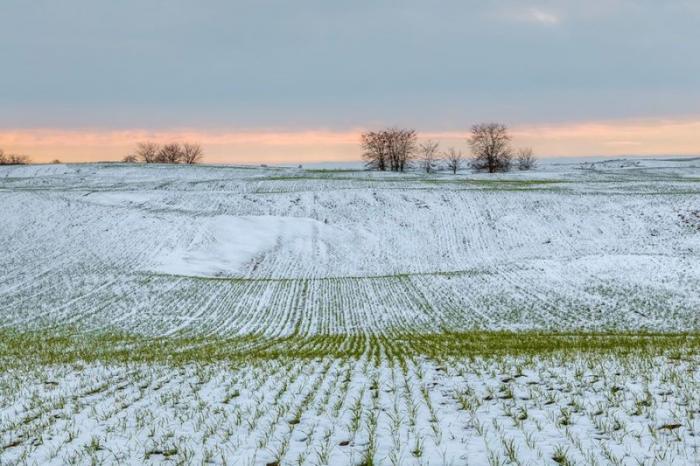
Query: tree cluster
{"points": [[430, 159], [390, 149], [396, 149], [13, 159], [492, 150], [151, 152]]}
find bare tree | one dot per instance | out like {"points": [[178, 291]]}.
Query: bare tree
{"points": [[454, 159], [130, 158], [526, 159], [192, 153], [13, 159], [147, 152], [428, 153], [390, 148], [55, 161], [402, 147], [374, 146], [17, 159], [490, 144], [170, 153]]}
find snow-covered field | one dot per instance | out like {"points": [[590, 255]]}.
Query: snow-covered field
{"points": [[216, 250], [320, 316]]}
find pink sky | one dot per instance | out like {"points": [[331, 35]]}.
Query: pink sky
{"points": [[623, 137]]}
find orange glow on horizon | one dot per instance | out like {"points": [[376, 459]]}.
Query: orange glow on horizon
{"points": [[611, 138]]}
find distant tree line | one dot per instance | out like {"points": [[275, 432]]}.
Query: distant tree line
{"points": [[151, 152], [13, 159], [396, 149]]}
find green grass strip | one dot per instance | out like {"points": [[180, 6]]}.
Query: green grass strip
{"points": [[23, 348]]}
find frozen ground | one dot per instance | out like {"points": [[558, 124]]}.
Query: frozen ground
{"points": [[283, 316]]}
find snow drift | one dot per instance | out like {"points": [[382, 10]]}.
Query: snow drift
{"points": [[228, 245]]}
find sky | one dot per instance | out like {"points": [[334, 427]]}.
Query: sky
{"points": [[282, 81]]}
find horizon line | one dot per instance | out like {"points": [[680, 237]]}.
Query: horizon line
{"points": [[603, 138]]}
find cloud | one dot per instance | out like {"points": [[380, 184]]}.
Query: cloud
{"points": [[536, 15], [543, 17]]}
